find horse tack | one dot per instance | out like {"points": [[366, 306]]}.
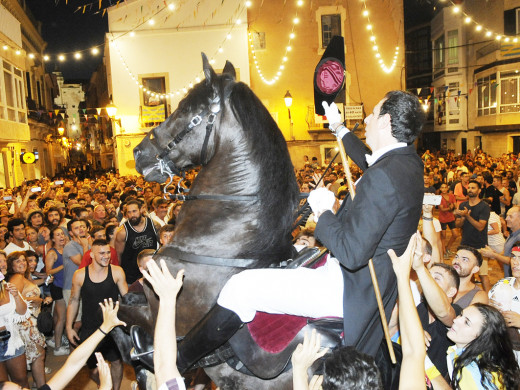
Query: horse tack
{"points": [[170, 251], [165, 164], [256, 225]]}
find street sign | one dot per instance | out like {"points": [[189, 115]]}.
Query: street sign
{"points": [[28, 158], [354, 112]]}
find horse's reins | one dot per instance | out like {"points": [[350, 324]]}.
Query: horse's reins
{"points": [[168, 167]]}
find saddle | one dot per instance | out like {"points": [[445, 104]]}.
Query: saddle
{"points": [[264, 346]]}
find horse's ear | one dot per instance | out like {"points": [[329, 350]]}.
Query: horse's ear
{"points": [[209, 73], [229, 69]]}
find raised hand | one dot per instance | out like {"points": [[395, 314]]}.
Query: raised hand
{"points": [[162, 281], [110, 320]]}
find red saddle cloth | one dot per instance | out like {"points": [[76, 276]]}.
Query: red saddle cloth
{"points": [[274, 332]]}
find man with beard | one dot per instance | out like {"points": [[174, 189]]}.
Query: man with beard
{"points": [[467, 263], [136, 234], [473, 217], [73, 253]]}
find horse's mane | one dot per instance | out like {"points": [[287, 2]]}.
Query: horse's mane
{"points": [[278, 189]]}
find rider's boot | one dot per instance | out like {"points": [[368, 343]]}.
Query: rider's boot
{"points": [[211, 332]]}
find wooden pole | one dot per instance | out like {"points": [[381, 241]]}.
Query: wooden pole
{"points": [[375, 283]]}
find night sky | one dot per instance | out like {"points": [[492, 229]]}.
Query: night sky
{"points": [[66, 31]]}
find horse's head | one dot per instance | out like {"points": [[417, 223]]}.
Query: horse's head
{"points": [[183, 139]]}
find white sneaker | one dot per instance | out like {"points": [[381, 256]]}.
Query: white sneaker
{"points": [[51, 343], [61, 351]]}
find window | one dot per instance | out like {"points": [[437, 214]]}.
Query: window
{"points": [[453, 50], [453, 99], [487, 95], [509, 101], [258, 40], [153, 107], [330, 26], [330, 20], [512, 21], [438, 56], [14, 94]]}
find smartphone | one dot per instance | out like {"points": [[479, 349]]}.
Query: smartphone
{"points": [[8, 197], [36, 189], [58, 182], [432, 199]]}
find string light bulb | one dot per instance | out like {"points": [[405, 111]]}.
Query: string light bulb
{"points": [[373, 41]]}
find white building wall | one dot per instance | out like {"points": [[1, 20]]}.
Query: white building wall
{"points": [[171, 47]]}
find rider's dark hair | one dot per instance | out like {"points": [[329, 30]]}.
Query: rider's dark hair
{"points": [[347, 368], [491, 351], [406, 115]]}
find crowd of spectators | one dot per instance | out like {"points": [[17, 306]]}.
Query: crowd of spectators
{"points": [[48, 231], [52, 230]]}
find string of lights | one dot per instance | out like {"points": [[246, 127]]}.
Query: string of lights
{"points": [[373, 42], [285, 57], [487, 32], [197, 79]]}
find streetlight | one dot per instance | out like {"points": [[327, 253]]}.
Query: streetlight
{"points": [[288, 102], [61, 130], [111, 110]]}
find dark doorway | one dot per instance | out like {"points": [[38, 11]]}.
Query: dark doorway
{"points": [[464, 145]]}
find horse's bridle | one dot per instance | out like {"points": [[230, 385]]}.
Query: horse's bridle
{"points": [[166, 165]]}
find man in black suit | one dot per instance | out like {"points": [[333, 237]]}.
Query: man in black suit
{"points": [[383, 215]]}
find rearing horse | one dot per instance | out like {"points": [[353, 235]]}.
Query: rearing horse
{"points": [[242, 203]]}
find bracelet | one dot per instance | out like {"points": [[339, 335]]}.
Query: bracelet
{"points": [[427, 218], [101, 330]]}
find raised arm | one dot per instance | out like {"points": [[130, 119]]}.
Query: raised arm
{"points": [[165, 343], [412, 336], [430, 234], [80, 355], [437, 299]]}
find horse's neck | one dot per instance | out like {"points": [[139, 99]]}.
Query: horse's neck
{"points": [[231, 170]]}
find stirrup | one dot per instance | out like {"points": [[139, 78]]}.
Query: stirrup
{"points": [[143, 347]]}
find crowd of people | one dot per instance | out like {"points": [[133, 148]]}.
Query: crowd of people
{"points": [[66, 245], [74, 245]]}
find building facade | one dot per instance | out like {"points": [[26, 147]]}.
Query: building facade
{"points": [[25, 100], [476, 63], [153, 50]]}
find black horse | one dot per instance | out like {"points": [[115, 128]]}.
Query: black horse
{"points": [[240, 208]]}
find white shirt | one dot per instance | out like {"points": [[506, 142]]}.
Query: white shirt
{"points": [[372, 159], [12, 247]]}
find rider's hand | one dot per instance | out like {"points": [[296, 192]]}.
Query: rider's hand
{"points": [[334, 117], [320, 201]]}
